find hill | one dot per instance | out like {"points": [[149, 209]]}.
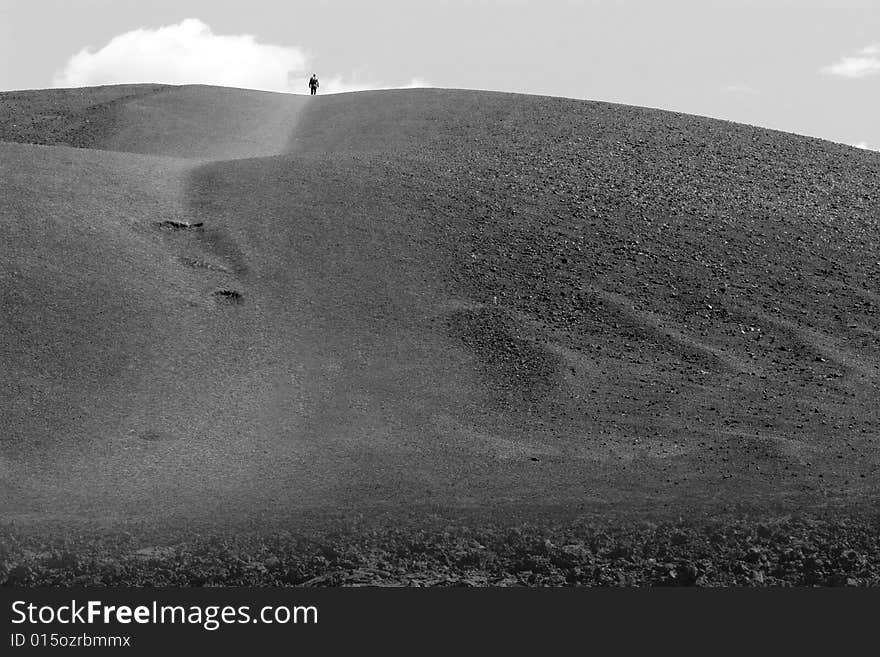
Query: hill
{"points": [[224, 304]]}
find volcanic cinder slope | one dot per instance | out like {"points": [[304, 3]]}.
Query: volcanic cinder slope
{"points": [[223, 304]]}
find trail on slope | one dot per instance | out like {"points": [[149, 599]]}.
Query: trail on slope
{"points": [[129, 377]]}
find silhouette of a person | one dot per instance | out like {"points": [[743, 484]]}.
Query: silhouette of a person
{"points": [[313, 84]]}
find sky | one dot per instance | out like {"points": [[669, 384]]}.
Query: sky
{"points": [[806, 66]]}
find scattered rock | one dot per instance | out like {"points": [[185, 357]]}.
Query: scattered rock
{"points": [[169, 224], [229, 297], [155, 553]]}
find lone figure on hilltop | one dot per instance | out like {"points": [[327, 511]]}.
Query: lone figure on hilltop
{"points": [[313, 84]]}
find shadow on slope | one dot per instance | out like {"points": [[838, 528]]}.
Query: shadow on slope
{"points": [[89, 296], [130, 383], [80, 117], [194, 121]]}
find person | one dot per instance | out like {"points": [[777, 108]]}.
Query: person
{"points": [[313, 84]]}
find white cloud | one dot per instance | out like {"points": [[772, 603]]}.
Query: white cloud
{"points": [[863, 145], [190, 53], [866, 62], [337, 84]]}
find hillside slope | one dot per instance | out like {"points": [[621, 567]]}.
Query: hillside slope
{"points": [[430, 296]]}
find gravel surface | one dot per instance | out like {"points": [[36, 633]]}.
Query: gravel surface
{"points": [[440, 297]]}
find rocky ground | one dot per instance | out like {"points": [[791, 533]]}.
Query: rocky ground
{"points": [[440, 551], [228, 304]]}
